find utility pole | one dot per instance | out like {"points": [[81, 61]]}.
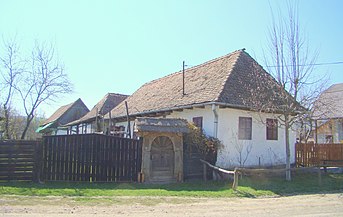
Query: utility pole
{"points": [[128, 119], [183, 78]]}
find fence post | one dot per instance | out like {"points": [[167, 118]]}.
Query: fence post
{"points": [[319, 177], [37, 161], [205, 172], [235, 179]]}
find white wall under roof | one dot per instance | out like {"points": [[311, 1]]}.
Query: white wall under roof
{"points": [[263, 152]]}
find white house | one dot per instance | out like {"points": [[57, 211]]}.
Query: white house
{"points": [[328, 114], [225, 97]]}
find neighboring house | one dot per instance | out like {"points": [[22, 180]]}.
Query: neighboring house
{"points": [[328, 113], [220, 96], [65, 114], [93, 121]]}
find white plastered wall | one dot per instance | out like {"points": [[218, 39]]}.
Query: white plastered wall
{"points": [[263, 152], [206, 114]]}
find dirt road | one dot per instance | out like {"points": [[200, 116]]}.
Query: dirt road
{"points": [[303, 205]]}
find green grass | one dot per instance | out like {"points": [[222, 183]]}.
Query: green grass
{"points": [[300, 184], [248, 187]]}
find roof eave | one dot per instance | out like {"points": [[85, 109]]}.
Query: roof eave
{"points": [[161, 112], [176, 108]]}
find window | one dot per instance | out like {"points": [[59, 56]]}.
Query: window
{"points": [[245, 128], [198, 122], [272, 129]]}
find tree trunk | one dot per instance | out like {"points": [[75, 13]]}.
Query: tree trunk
{"points": [[288, 151], [7, 123], [27, 125]]}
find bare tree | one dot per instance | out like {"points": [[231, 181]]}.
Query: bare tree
{"points": [[243, 152], [11, 69], [44, 81], [243, 149], [292, 63]]}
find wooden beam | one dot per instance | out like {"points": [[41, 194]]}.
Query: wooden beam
{"points": [[223, 106], [200, 106], [235, 172], [163, 113], [217, 168]]}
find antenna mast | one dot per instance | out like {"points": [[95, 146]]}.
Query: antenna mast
{"points": [[183, 78]]}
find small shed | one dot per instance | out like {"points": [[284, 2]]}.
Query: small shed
{"points": [[162, 154]]}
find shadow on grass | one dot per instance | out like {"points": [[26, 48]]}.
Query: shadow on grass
{"points": [[242, 193]]}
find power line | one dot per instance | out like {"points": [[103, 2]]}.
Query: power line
{"points": [[315, 64]]}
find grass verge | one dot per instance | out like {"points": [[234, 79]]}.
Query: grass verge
{"points": [[248, 187]]}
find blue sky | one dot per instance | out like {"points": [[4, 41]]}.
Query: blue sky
{"points": [[116, 46]]}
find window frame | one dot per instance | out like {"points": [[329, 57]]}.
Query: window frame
{"points": [[272, 129], [244, 128], [198, 122]]}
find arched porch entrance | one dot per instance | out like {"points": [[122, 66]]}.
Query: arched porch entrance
{"points": [[162, 159], [162, 154]]}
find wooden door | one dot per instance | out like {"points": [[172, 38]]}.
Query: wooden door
{"points": [[162, 159]]}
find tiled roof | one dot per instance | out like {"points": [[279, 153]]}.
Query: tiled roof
{"points": [[231, 79], [106, 104], [329, 103], [59, 112]]}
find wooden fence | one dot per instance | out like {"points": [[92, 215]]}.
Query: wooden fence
{"points": [[18, 160], [316, 154], [192, 166], [91, 158]]}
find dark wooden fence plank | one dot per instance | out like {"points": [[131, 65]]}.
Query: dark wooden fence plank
{"points": [[192, 168], [91, 158], [19, 160], [111, 167], [117, 157]]}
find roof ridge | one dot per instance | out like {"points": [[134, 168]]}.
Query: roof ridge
{"points": [[333, 88], [63, 109], [197, 66], [117, 94], [229, 73], [334, 91], [68, 106], [216, 59]]}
